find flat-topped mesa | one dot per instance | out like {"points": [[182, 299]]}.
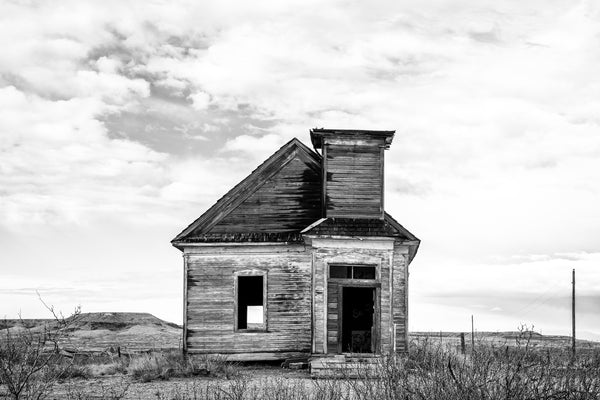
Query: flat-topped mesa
{"points": [[353, 171]]}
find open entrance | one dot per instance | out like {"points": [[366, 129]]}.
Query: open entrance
{"points": [[357, 319]]}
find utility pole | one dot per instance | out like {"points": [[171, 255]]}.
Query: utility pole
{"points": [[472, 334], [573, 313]]}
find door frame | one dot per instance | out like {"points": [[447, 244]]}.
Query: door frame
{"points": [[376, 328]]}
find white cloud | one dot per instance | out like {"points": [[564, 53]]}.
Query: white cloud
{"points": [[258, 147], [200, 100], [535, 291], [495, 105], [59, 164]]}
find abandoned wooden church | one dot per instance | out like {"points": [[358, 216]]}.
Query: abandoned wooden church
{"points": [[300, 258]]}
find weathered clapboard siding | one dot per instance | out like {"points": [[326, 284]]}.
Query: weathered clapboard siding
{"points": [[333, 299], [352, 171], [400, 295], [377, 252], [210, 300], [288, 201], [353, 180]]}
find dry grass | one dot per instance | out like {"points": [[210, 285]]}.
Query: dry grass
{"points": [[109, 369], [157, 366], [430, 371]]}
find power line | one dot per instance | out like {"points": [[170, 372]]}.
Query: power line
{"points": [[539, 300]]}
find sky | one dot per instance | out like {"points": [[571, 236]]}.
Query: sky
{"points": [[123, 121]]}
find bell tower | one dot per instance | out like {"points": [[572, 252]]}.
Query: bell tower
{"points": [[353, 171]]}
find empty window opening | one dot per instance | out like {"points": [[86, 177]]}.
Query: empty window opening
{"points": [[351, 272], [250, 302]]}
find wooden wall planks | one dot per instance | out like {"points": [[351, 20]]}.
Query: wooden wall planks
{"points": [[332, 317], [400, 295], [332, 251], [292, 292], [210, 300], [353, 180]]}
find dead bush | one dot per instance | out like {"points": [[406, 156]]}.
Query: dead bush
{"points": [[430, 371], [30, 357], [162, 366], [106, 369], [218, 365]]}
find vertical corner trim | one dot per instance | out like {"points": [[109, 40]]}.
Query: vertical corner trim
{"points": [[185, 303], [324, 183]]}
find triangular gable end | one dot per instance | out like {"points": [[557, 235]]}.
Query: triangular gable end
{"points": [[214, 222]]}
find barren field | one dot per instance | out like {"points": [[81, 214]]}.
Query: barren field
{"points": [[104, 333], [535, 340], [122, 386], [138, 356]]}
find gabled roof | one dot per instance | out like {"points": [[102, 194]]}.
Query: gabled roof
{"points": [[402, 230], [359, 227], [356, 227], [280, 201], [200, 229]]}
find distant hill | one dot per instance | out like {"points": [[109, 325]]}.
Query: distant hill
{"points": [[507, 338], [119, 320], [105, 332], [110, 332]]}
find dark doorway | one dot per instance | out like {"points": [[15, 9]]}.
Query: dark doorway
{"points": [[357, 319]]}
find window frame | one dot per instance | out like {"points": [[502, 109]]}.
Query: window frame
{"points": [[351, 266], [244, 273]]}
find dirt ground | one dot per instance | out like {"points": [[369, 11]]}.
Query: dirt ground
{"points": [[115, 387]]}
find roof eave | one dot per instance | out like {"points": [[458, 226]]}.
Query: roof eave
{"points": [[317, 135]]}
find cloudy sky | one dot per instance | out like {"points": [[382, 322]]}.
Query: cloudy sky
{"points": [[122, 121]]}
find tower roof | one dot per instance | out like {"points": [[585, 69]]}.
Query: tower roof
{"points": [[318, 134]]}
